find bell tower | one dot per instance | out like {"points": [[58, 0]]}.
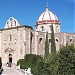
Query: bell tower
{"points": [[11, 22]]}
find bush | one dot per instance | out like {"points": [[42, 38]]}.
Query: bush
{"points": [[31, 61], [54, 64], [51, 64], [67, 60], [18, 62]]}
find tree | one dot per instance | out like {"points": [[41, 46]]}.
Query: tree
{"points": [[51, 64], [40, 67], [46, 45], [67, 60], [53, 46]]}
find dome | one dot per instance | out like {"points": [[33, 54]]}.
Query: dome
{"points": [[47, 17]]}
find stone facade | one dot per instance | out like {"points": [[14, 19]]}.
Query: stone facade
{"points": [[16, 41], [22, 40]]}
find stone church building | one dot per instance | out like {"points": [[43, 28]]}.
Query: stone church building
{"points": [[16, 41]]}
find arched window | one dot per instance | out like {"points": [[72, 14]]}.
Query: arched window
{"points": [[11, 19], [8, 24], [10, 37], [11, 23], [40, 40], [15, 22], [56, 40], [56, 26], [50, 28], [42, 28], [70, 40], [36, 27], [49, 41]]}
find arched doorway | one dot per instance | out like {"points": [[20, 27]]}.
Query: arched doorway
{"points": [[10, 58]]}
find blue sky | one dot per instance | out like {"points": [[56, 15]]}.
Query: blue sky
{"points": [[28, 11]]}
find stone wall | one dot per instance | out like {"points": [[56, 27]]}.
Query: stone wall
{"points": [[20, 41]]}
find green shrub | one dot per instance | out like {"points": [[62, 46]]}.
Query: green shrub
{"points": [[18, 62], [31, 61], [67, 60], [22, 64]]}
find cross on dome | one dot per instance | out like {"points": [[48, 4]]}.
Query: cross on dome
{"points": [[47, 4]]}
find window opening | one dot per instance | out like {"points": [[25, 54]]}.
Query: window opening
{"points": [[40, 40], [10, 37], [42, 28]]}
